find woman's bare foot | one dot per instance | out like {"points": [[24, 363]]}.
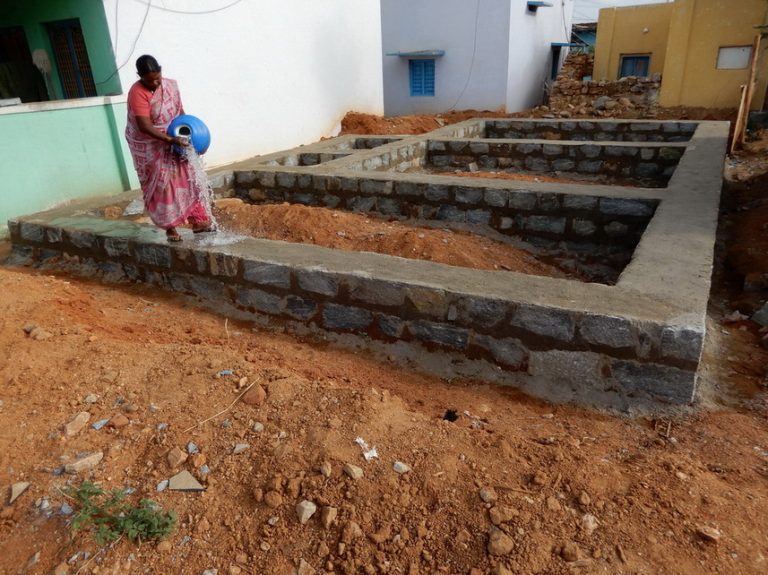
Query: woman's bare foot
{"points": [[172, 235], [203, 227]]}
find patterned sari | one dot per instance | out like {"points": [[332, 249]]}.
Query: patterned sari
{"points": [[171, 193]]}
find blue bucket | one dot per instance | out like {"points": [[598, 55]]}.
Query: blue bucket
{"points": [[193, 128]]}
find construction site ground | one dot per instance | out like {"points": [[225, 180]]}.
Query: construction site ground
{"points": [[512, 484]]}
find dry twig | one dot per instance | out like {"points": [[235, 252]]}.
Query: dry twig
{"points": [[223, 410]]}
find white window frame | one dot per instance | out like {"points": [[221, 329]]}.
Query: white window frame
{"points": [[729, 59]]}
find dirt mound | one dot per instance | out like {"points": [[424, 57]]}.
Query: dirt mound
{"points": [[363, 233]]}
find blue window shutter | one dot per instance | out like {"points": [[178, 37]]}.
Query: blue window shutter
{"points": [[422, 77]]}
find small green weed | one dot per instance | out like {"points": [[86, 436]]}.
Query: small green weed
{"points": [[110, 516]]}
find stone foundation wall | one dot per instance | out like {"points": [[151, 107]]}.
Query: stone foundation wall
{"points": [[586, 130], [517, 336], [549, 216], [651, 163]]}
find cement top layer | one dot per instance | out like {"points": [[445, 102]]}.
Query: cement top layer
{"points": [[667, 281]]}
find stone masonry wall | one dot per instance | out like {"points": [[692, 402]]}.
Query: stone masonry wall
{"points": [[585, 130], [549, 216], [651, 163], [571, 93], [629, 354]]}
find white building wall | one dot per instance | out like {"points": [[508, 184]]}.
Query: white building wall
{"points": [[530, 49], [473, 72], [263, 75]]}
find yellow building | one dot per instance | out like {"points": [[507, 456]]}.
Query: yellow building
{"points": [[701, 48]]}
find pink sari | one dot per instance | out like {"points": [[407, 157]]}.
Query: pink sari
{"points": [[171, 194]]}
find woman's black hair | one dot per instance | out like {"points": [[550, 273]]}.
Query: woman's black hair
{"points": [[147, 64]]}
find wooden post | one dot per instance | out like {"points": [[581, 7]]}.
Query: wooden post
{"points": [[737, 127], [747, 93]]}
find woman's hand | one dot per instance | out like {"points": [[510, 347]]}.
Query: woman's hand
{"points": [[179, 141]]}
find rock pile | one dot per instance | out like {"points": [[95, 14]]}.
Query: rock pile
{"points": [[573, 95]]}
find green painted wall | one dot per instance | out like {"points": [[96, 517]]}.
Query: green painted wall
{"points": [[51, 156], [34, 14]]}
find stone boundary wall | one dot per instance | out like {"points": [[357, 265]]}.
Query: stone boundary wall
{"points": [[650, 162], [328, 154], [585, 130], [633, 356], [549, 216]]}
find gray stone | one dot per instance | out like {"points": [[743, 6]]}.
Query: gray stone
{"points": [[609, 331], [616, 229], [317, 281], [408, 188], [506, 223], [522, 200], [496, 198], [376, 187], [552, 149], [440, 334], [436, 193], [563, 165], [466, 195], [620, 151], [391, 326], [267, 274], [268, 179], [482, 217], [591, 151], [260, 300], [545, 224], [346, 318], [304, 198], [590, 166], [622, 207], [54, 235], [153, 255], [506, 351], [671, 154], [457, 147], [117, 247], [286, 180], [645, 126], [349, 184], [300, 308], [579, 202], [331, 201], [436, 146], [646, 169], [662, 382], [482, 313], [32, 232], [548, 202], [528, 148], [80, 239], [761, 315], [223, 264], [536, 164], [451, 213], [208, 288], [362, 203], [389, 206], [682, 343], [440, 161], [647, 153], [478, 148], [583, 227], [376, 292], [547, 322], [245, 177]]}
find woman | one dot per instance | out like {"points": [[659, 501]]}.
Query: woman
{"points": [[171, 192]]}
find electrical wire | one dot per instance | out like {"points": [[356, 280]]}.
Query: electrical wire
{"points": [[133, 46], [472, 62], [187, 12]]}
